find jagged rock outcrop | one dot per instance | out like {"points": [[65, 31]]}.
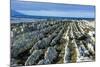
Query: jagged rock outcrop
{"points": [[34, 57], [52, 42]]}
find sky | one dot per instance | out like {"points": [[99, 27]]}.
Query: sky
{"points": [[51, 9]]}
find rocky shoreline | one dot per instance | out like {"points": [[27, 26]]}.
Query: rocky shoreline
{"points": [[52, 42]]}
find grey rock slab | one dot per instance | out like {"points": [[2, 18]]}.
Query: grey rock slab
{"points": [[34, 57], [51, 54], [44, 61]]}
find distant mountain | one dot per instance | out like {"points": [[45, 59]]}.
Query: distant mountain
{"points": [[15, 14]]}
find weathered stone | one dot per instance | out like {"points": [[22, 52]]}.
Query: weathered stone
{"points": [[51, 54], [41, 44], [44, 61], [34, 57], [24, 42]]}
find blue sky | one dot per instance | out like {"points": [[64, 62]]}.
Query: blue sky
{"points": [[51, 9]]}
